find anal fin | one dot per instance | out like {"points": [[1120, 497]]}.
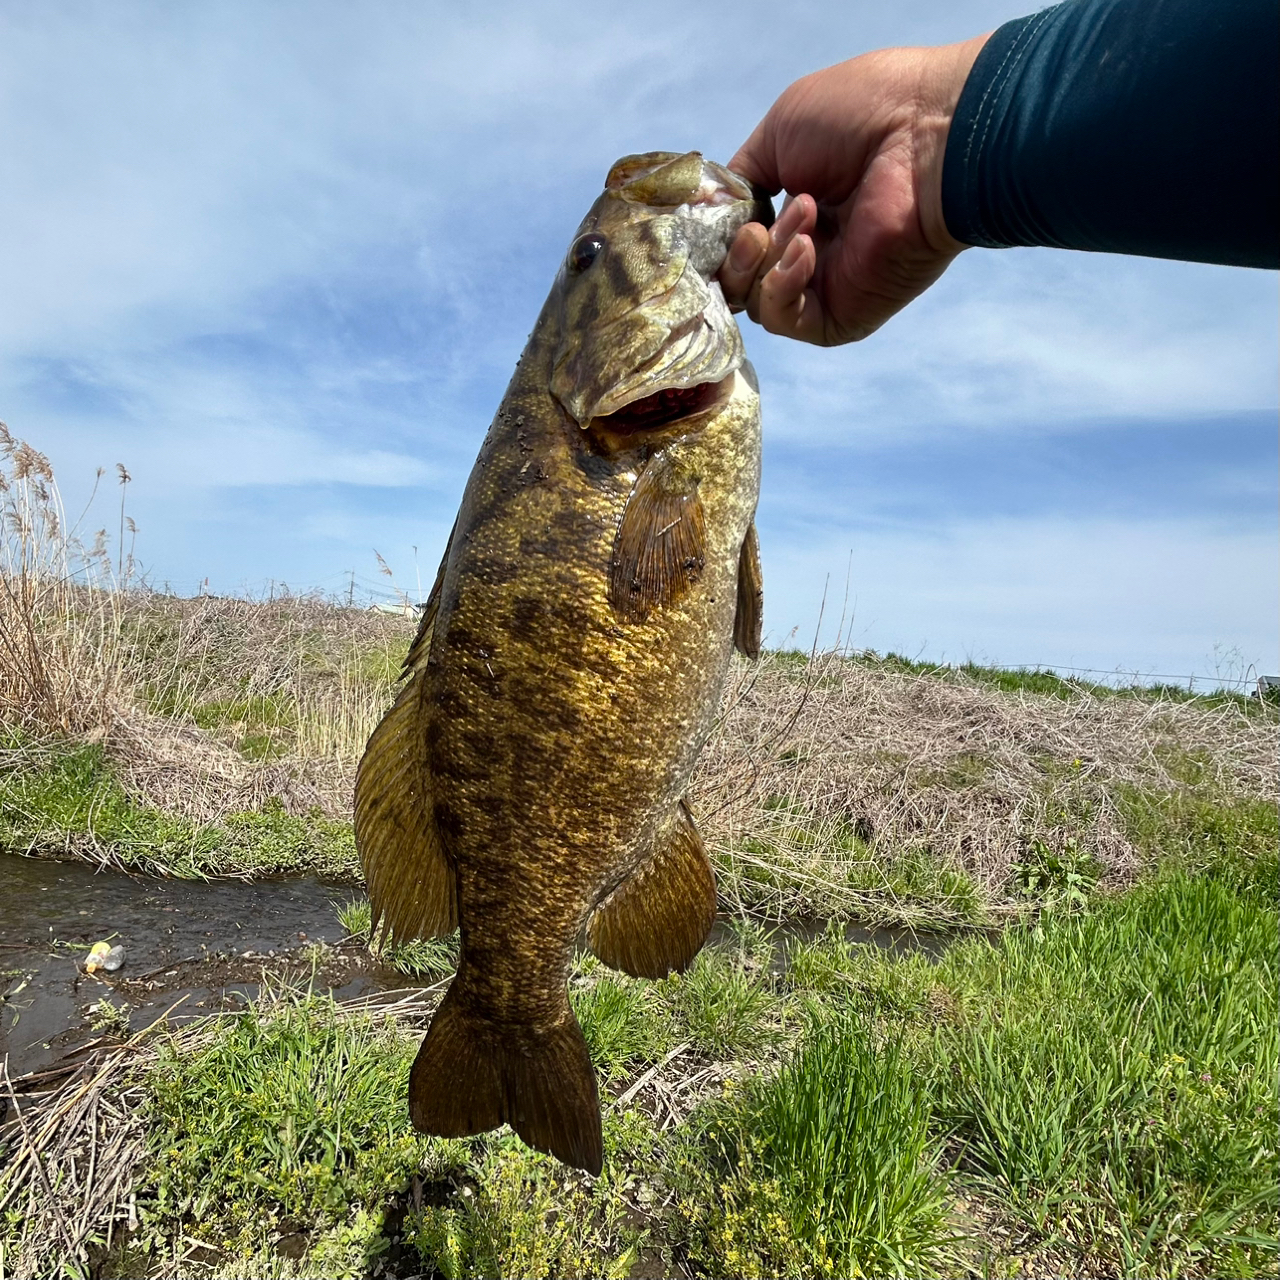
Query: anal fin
{"points": [[657, 920], [412, 888]]}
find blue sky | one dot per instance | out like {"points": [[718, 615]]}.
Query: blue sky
{"points": [[280, 259]]}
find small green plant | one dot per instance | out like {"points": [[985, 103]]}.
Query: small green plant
{"points": [[830, 1167], [1063, 877], [526, 1216], [724, 1009], [425, 958], [354, 916], [109, 1019]]}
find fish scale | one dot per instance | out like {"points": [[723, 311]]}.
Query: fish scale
{"points": [[530, 780]]}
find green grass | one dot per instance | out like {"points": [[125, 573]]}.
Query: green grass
{"points": [[827, 1168], [916, 887], [1104, 1076], [623, 1019], [1196, 828], [1113, 1077], [266, 722], [805, 867], [261, 711], [70, 801], [723, 1006], [427, 958], [292, 1118], [288, 1113], [862, 976]]}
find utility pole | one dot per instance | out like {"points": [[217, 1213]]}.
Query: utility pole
{"points": [[351, 590]]}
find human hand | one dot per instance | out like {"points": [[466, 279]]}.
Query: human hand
{"points": [[859, 147]]}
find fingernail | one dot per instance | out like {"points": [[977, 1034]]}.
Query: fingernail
{"points": [[745, 254], [793, 254]]}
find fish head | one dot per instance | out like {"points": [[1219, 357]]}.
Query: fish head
{"points": [[645, 335]]}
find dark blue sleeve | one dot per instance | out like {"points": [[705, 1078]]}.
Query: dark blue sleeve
{"points": [[1126, 126]]}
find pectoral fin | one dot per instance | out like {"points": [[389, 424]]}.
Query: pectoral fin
{"points": [[412, 889], [657, 920], [661, 545], [749, 620]]}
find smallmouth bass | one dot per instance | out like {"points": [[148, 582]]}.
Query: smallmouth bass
{"points": [[529, 780]]}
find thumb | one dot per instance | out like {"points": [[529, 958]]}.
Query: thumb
{"points": [[756, 161]]}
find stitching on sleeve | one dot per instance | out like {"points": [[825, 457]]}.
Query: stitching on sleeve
{"points": [[1004, 72]]}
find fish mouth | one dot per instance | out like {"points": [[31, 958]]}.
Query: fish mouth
{"points": [[696, 355], [663, 408], [646, 334], [661, 416]]}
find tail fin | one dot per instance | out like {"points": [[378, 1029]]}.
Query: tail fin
{"points": [[470, 1076]]}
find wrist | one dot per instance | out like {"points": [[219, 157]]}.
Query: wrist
{"points": [[942, 78]]}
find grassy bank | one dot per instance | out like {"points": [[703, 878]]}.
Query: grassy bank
{"points": [[1091, 1094], [840, 788], [1104, 1084], [217, 736], [1077, 1077], [67, 800]]}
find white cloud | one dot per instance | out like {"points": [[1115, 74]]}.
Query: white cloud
{"points": [[194, 427], [1152, 597], [1035, 337], [269, 247]]}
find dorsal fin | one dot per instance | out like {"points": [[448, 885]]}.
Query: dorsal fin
{"points": [[420, 649], [412, 890], [748, 622]]}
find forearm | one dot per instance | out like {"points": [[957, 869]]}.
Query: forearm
{"points": [[1130, 126]]}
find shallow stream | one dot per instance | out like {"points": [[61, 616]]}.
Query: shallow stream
{"points": [[196, 947], [204, 943]]}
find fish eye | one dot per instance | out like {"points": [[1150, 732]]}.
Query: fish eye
{"points": [[584, 251]]}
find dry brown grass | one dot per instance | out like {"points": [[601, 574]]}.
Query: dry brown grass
{"points": [[824, 776], [833, 787], [237, 702], [73, 1151], [61, 665], [207, 705], [839, 787]]}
